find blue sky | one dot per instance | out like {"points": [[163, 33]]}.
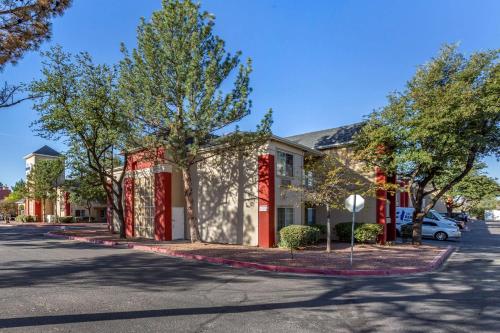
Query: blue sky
{"points": [[318, 64]]}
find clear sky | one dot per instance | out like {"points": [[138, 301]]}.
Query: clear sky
{"points": [[318, 64]]}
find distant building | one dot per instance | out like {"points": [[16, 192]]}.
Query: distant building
{"points": [[62, 206], [4, 192]]}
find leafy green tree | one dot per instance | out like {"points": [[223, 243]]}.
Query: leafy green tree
{"points": [[78, 103], [24, 25], [19, 191], [328, 182], [44, 180], [171, 85], [471, 190], [439, 127], [7, 208]]}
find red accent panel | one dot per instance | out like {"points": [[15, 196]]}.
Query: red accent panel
{"points": [[129, 207], [266, 199], [67, 206], [38, 211], [26, 207], [380, 179], [391, 196], [163, 206]]}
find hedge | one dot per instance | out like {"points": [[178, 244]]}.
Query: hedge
{"points": [[295, 236], [65, 219], [363, 232], [25, 218]]}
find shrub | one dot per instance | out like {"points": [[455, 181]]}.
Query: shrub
{"points": [[20, 218], [321, 228], [363, 232], [368, 232], [295, 236], [65, 219]]}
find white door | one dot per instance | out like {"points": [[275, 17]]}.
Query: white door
{"points": [[177, 222]]}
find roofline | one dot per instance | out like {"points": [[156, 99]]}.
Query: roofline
{"points": [[337, 145], [296, 145], [327, 129], [33, 154]]}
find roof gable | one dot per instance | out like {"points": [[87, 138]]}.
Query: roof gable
{"points": [[328, 138], [47, 151]]}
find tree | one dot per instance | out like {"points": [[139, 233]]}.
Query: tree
{"points": [[7, 208], [171, 86], [84, 184], [44, 180], [328, 183], [471, 190], [78, 103], [24, 25], [445, 120], [19, 191]]}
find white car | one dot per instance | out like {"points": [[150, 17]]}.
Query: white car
{"points": [[434, 225]]}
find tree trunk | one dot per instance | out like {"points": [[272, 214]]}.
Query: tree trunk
{"points": [[328, 230], [121, 214], [418, 218], [188, 196], [89, 207]]}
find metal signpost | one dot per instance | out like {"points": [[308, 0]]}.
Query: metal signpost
{"points": [[354, 203]]}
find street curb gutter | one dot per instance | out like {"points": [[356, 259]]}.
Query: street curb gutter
{"points": [[436, 263]]}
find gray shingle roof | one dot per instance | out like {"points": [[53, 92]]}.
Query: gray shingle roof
{"points": [[328, 138], [46, 150]]}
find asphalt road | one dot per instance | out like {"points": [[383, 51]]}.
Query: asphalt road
{"points": [[49, 285]]}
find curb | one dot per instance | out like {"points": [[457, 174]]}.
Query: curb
{"points": [[436, 263]]}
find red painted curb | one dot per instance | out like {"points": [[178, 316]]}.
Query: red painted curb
{"points": [[436, 263]]}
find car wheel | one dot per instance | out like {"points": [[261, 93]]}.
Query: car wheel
{"points": [[440, 236]]}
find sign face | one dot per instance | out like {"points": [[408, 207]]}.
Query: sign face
{"points": [[263, 209], [349, 203]]}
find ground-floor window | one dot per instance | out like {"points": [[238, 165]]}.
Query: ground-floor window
{"points": [[79, 212], [285, 217], [311, 215]]}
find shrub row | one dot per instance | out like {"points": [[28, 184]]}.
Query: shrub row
{"points": [[25, 218], [65, 219], [363, 232]]}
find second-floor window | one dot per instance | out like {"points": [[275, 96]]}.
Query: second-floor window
{"points": [[285, 164]]}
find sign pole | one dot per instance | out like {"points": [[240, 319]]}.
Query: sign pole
{"points": [[352, 227]]}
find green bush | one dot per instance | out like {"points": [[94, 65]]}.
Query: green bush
{"points": [[321, 227], [363, 232], [295, 236], [368, 232], [25, 218], [66, 219]]}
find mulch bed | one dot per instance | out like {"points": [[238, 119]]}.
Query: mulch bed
{"points": [[366, 257]]}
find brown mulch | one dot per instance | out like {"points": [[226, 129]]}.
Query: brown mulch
{"points": [[366, 256]]}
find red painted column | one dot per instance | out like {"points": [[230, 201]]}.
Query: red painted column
{"points": [[38, 211], [163, 206], [381, 201], [129, 206], [266, 204], [391, 196], [67, 206], [26, 207]]}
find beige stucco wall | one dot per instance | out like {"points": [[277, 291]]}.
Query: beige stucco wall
{"points": [[284, 197], [225, 196]]}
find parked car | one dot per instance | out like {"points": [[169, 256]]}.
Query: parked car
{"points": [[437, 230], [460, 217], [460, 224], [434, 225]]}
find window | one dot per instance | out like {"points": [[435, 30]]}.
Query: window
{"points": [[79, 212], [430, 224], [285, 217], [311, 215], [430, 216], [308, 179], [285, 164]]}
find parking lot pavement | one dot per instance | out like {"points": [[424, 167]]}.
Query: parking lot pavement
{"points": [[49, 285]]}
